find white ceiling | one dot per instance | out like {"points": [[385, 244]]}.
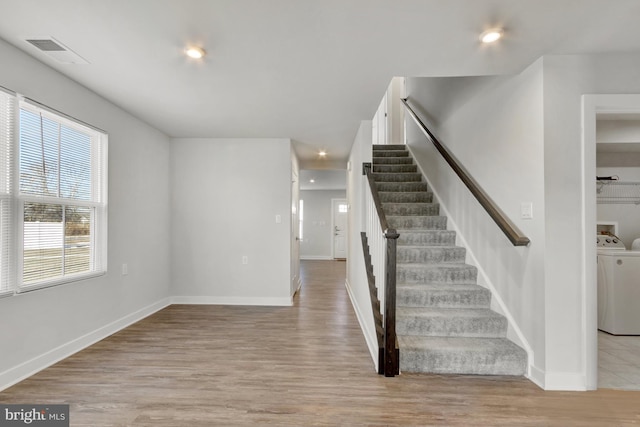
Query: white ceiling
{"points": [[309, 70], [323, 179]]}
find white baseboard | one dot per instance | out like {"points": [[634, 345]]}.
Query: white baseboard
{"points": [[561, 381], [210, 300], [536, 376], [370, 338], [316, 258], [26, 369]]}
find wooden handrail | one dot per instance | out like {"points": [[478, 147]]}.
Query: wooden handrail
{"points": [[391, 355], [515, 236]]}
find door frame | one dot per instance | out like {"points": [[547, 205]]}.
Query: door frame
{"points": [[333, 246], [591, 106]]}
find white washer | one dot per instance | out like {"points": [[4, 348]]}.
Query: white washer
{"points": [[618, 289]]}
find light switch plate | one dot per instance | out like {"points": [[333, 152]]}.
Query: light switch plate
{"points": [[526, 210]]}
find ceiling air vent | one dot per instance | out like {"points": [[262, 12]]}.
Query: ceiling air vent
{"points": [[56, 50]]}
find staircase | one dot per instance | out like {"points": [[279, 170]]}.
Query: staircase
{"points": [[443, 320]]}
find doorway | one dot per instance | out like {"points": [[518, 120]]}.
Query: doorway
{"points": [[339, 228], [592, 107]]}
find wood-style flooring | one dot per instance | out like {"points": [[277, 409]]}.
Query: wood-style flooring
{"points": [[288, 366]]}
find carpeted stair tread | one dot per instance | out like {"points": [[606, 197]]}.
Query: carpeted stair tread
{"points": [[462, 322], [408, 273], [405, 196], [411, 209], [392, 153], [422, 222], [402, 186], [380, 168], [454, 355], [392, 160], [430, 254], [443, 295], [397, 177], [430, 238]]}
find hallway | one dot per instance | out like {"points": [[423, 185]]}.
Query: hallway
{"points": [[204, 365]]}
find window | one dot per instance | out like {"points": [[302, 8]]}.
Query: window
{"points": [[61, 199], [53, 214], [7, 111], [301, 219]]}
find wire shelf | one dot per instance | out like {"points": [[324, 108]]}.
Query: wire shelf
{"points": [[616, 192]]}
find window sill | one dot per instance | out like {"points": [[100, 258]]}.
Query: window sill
{"points": [[58, 282]]}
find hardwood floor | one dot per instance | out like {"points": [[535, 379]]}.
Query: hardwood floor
{"points": [[288, 366]]}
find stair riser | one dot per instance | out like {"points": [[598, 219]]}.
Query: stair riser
{"points": [[402, 186], [408, 197], [439, 361], [391, 153], [426, 238], [397, 177], [463, 274], [411, 209], [417, 222], [492, 327], [377, 168], [392, 160], [416, 297], [386, 147], [431, 255]]}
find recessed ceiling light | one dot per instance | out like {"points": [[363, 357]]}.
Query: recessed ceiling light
{"points": [[195, 52], [312, 180], [491, 35], [322, 153]]}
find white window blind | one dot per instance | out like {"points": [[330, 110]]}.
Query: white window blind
{"points": [[62, 199], [7, 125]]}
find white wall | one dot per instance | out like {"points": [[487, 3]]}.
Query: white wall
{"points": [[566, 79], [318, 236], [225, 195], [520, 136], [493, 125], [42, 326], [357, 285]]}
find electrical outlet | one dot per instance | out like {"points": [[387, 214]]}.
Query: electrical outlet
{"points": [[125, 269], [245, 260], [278, 219]]}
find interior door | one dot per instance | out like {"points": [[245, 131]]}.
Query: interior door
{"points": [[339, 209]]}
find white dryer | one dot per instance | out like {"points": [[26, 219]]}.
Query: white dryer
{"points": [[618, 289]]}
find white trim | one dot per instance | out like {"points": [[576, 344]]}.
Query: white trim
{"points": [[591, 105], [20, 372], [316, 258], [513, 333], [537, 376], [563, 381], [213, 300], [370, 337]]}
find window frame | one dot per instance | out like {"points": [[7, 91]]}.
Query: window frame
{"points": [[98, 204]]}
